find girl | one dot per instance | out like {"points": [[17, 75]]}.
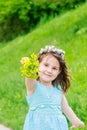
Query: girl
{"points": [[45, 95]]}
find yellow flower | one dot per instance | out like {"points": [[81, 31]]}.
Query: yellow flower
{"points": [[33, 56], [27, 63], [24, 60], [30, 66]]}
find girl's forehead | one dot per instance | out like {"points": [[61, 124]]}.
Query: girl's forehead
{"points": [[50, 58]]}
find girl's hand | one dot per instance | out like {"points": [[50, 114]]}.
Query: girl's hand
{"points": [[77, 125]]}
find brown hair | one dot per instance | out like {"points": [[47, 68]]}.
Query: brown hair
{"points": [[63, 78]]}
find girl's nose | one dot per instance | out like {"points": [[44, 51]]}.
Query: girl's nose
{"points": [[49, 70]]}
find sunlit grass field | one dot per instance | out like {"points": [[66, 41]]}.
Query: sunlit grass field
{"points": [[69, 30]]}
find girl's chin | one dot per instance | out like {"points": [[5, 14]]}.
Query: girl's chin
{"points": [[46, 80]]}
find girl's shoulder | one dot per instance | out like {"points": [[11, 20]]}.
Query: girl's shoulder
{"points": [[59, 87], [34, 92]]}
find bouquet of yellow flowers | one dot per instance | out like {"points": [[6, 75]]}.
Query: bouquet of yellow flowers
{"points": [[30, 66]]}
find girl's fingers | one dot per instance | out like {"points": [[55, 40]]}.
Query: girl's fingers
{"points": [[82, 125], [73, 126]]}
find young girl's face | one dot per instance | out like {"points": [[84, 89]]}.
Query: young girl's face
{"points": [[49, 69]]}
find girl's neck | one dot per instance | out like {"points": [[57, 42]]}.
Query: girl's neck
{"points": [[46, 83]]}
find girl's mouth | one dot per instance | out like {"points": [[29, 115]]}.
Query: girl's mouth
{"points": [[49, 75]]}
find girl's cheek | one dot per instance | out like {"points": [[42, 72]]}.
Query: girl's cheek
{"points": [[40, 68]]}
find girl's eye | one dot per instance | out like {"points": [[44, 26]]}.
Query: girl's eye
{"points": [[54, 68], [46, 65]]}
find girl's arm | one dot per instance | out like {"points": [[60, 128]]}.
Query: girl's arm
{"points": [[70, 114], [30, 85]]}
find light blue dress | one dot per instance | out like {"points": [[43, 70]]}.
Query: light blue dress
{"points": [[45, 109]]}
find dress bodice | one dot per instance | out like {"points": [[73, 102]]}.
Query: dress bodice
{"points": [[45, 97]]}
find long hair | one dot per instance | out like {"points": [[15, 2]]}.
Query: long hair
{"points": [[63, 77]]}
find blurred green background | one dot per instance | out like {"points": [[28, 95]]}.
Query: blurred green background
{"points": [[27, 26]]}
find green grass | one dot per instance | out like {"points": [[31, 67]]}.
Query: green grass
{"points": [[70, 32]]}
